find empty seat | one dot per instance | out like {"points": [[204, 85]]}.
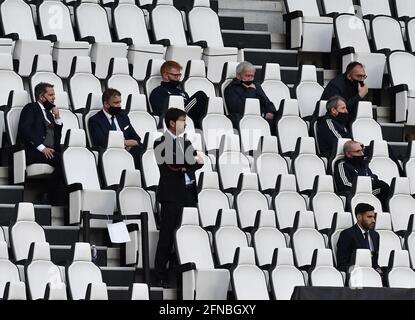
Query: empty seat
{"points": [[401, 204], [195, 79], [266, 238], [153, 78], [404, 9], [388, 240], [308, 91], [287, 201], [410, 34], [362, 274], [362, 192], [248, 281], [386, 34], [341, 221], [400, 274], [306, 164], [10, 80], [275, 89], [322, 272], [364, 127], [380, 163], [409, 166], [284, 276], [201, 280], [9, 272], [139, 291], [228, 74], [375, 7], [140, 119], [350, 33]]}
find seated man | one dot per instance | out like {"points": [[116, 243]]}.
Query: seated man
{"points": [[243, 87], [361, 236], [353, 165], [40, 130], [111, 117], [195, 106], [332, 126]]}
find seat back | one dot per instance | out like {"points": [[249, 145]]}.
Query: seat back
{"points": [[153, 77], [380, 164], [336, 6], [351, 32], [9, 271], [398, 64], [387, 33], [17, 18], [401, 204], [62, 27], [323, 273], [341, 221], [405, 8], [364, 127], [275, 89], [388, 240], [10, 80], [100, 29], [363, 275], [308, 91], [309, 8], [362, 192], [400, 274], [195, 79], [375, 7]]}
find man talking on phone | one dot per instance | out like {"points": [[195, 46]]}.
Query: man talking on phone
{"points": [[349, 85]]}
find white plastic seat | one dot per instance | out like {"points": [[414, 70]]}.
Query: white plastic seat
{"points": [[375, 7], [284, 276], [139, 291], [364, 127], [17, 19], [309, 31], [153, 78], [93, 106], [229, 72], [102, 47], [362, 274], [380, 163], [86, 194], [404, 8], [324, 202], [362, 192], [287, 201], [248, 281], [54, 19], [338, 154], [351, 33], [388, 240], [151, 173], [8, 270], [400, 275], [275, 89], [305, 239], [195, 79], [410, 34], [308, 91], [338, 7], [140, 119], [69, 119], [167, 23], [202, 280], [24, 231], [81, 271], [387, 33], [401, 204], [40, 272], [306, 164], [409, 166], [129, 23], [341, 221], [269, 164], [10, 80], [322, 272]]}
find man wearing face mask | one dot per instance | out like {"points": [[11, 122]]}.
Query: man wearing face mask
{"points": [[177, 161], [353, 165], [39, 130], [349, 85], [195, 106], [243, 87], [332, 126], [112, 117]]}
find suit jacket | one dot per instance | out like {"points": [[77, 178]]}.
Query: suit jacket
{"points": [[32, 128], [351, 239], [99, 127], [172, 185]]}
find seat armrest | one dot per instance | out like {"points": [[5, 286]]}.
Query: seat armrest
{"points": [[292, 15], [398, 88], [89, 39], [163, 42]]}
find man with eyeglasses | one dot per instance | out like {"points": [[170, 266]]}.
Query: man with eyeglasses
{"points": [[349, 85], [354, 165], [195, 106]]}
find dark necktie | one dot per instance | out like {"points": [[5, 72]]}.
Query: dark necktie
{"points": [[112, 125], [366, 236]]}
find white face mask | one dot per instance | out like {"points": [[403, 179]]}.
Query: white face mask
{"points": [[180, 127]]}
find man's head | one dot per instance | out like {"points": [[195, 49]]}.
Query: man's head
{"points": [[336, 106], [111, 101], [45, 94], [355, 71], [170, 71], [352, 149], [245, 71], [175, 120], [365, 215]]}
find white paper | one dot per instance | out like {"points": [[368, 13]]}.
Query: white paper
{"points": [[118, 232]]}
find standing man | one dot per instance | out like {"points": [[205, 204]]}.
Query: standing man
{"points": [[177, 161], [242, 87], [195, 106], [40, 130], [349, 85], [361, 236], [112, 117], [333, 125]]}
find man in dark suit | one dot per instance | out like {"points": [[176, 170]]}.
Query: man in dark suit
{"points": [[112, 117], [177, 161], [39, 131], [361, 236]]}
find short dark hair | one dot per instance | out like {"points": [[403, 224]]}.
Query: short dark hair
{"points": [[173, 114], [333, 102], [41, 88], [351, 66], [109, 93], [362, 208]]}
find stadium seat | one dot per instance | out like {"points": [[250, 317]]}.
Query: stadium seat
{"points": [[322, 272], [404, 9], [341, 221], [14, 291], [10, 80], [401, 204], [96, 291], [248, 281], [139, 291], [362, 192], [362, 274], [364, 127], [386, 34], [380, 163], [308, 91], [274, 88], [375, 7], [334, 7], [195, 79], [140, 119], [151, 174], [400, 274], [153, 78], [9, 272], [388, 240], [409, 166], [410, 240], [228, 74]]}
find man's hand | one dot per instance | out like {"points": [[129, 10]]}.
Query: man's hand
{"points": [[199, 158], [130, 143], [363, 91], [269, 116], [48, 152], [55, 112]]}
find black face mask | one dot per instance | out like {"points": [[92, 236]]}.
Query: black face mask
{"points": [[357, 160], [247, 82], [114, 110], [173, 84], [48, 105], [342, 117]]}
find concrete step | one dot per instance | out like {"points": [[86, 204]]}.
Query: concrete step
{"points": [[11, 194], [285, 58], [246, 39]]}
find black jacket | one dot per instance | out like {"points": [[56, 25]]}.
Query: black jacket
{"points": [[172, 185], [351, 239], [159, 97], [32, 129], [345, 88], [99, 127], [329, 130], [235, 95]]}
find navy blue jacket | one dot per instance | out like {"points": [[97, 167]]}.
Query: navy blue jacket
{"points": [[159, 97], [99, 127], [32, 128], [329, 130], [351, 239]]}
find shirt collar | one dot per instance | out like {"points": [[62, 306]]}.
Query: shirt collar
{"points": [[171, 134], [41, 105], [107, 114], [361, 229]]}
